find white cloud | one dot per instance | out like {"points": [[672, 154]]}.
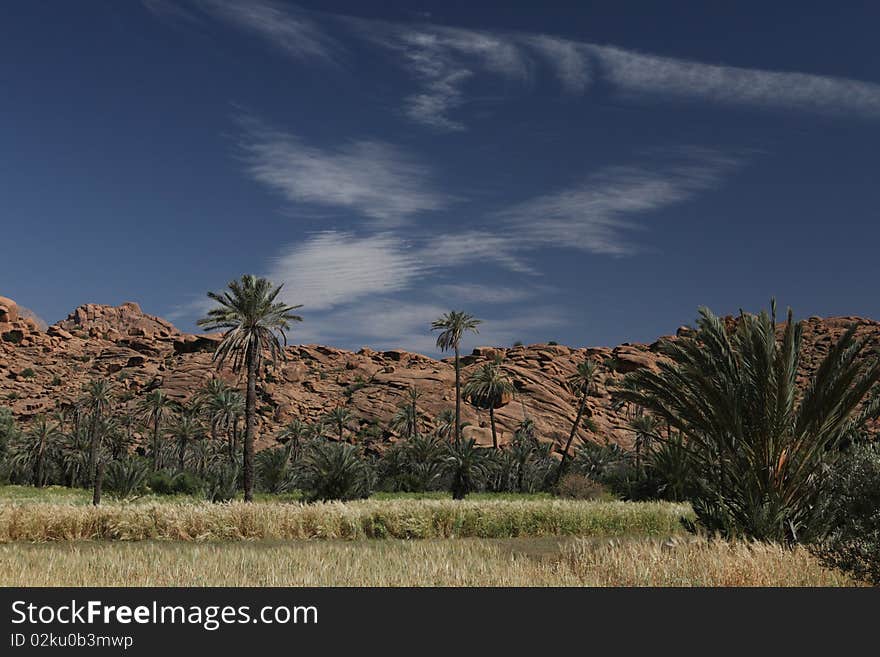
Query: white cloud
{"points": [[569, 59], [463, 293], [666, 76], [442, 60], [372, 177], [594, 214], [284, 26], [330, 269]]}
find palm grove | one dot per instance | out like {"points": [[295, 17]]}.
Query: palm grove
{"points": [[722, 423]]}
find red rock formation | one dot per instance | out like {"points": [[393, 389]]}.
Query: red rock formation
{"points": [[42, 370]]}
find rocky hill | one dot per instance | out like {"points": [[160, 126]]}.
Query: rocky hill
{"points": [[41, 370]]}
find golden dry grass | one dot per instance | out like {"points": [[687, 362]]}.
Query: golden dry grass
{"points": [[335, 520], [459, 562]]}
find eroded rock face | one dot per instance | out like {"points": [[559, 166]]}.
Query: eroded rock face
{"points": [[40, 370]]}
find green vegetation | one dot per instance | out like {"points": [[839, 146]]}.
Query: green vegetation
{"points": [[410, 519], [253, 320]]}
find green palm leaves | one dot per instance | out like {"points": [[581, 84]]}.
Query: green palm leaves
{"points": [[487, 388], [253, 319], [452, 326], [757, 447], [580, 383]]}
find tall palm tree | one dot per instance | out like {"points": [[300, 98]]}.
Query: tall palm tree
{"points": [[413, 395], [487, 388], [580, 383], [187, 427], [757, 445], [98, 398], [253, 320], [340, 417], [154, 407], [452, 327]]}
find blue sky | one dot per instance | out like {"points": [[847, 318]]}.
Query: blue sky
{"points": [[586, 173]]}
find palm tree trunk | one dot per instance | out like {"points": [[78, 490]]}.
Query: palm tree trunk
{"points": [[99, 481], [181, 455], [574, 427], [230, 439], [38, 474], [156, 444], [93, 446], [415, 421], [250, 412], [492, 424], [457, 398]]}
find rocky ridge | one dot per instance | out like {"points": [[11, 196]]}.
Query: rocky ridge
{"points": [[42, 370]]}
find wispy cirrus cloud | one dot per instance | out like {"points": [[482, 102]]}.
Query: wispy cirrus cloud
{"points": [[597, 213], [442, 59], [335, 268], [285, 26], [679, 78], [372, 177]]}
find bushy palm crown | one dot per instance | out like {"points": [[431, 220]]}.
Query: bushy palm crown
{"points": [[452, 327], [758, 448], [154, 406], [488, 386], [252, 320], [582, 378]]}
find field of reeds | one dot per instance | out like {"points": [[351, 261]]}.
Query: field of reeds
{"points": [[367, 519], [461, 562]]}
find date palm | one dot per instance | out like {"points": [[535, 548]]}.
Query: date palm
{"points": [[487, 388], [253, 319], [644, 428], [580, 383], [452, 327], [187, 427], [406, 419], [97, 399], [154, 408], [293, 433], [445, 423], [340, 417], [758, 446]]}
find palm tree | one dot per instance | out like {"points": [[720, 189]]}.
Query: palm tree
{"points": [[487, 388], [185, 429], [414, 394], [98, 398], [292, 434], [30, 451], [252, 320], [340, 417], [153, 408], [645, 429], [210, 398], [581, 382], [452, 327], [405, 420], [445, 423], [467, 465], [757, 445]]}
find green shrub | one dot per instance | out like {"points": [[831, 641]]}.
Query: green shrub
{"points": [[161, 482], [850, 510], [221, 484], [186, 483], [334, 471], [127, 476], [28, 373]]}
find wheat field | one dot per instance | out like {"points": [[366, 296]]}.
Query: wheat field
{"points": [[393, 562], [405, 519]]}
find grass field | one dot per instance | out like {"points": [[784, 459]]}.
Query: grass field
{"points": [[449, 562], [53, 537]]}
